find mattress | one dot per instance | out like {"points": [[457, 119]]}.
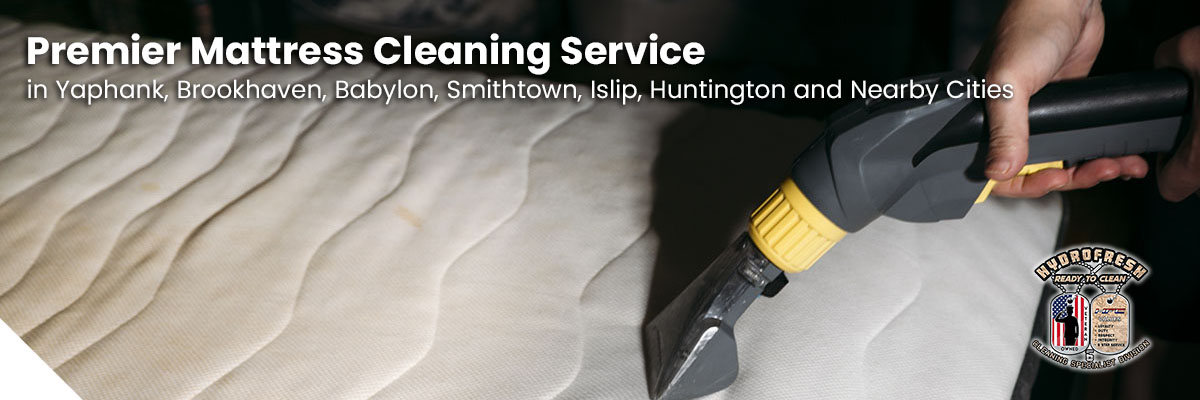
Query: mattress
{"points": [[482, 249]]}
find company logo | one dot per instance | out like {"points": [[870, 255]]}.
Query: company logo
{"points": [[1089, 324]]}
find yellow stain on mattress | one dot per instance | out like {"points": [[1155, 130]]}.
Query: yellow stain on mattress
{"points": [[408, 215], [150, 187]]}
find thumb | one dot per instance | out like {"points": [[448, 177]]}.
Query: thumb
{"points": [[1019, 60], [1032, 41], [1008, 129]]}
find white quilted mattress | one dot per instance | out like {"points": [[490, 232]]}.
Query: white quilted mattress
{"points": [[297, 249]]}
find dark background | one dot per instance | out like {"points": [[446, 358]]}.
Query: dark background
{"points": [[784, 41]]}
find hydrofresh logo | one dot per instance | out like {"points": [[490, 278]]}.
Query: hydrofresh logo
{"points": [[1090, 323]]}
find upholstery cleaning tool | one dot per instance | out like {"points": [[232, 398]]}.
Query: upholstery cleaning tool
{"points": [[918, 160]]}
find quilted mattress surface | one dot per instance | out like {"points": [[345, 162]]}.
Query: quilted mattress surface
{"points": [[484, 249]]}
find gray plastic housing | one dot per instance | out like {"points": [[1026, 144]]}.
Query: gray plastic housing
{"points": [[923, 162]]}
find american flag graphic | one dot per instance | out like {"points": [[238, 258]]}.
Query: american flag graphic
{"points": [[1063, 323]]}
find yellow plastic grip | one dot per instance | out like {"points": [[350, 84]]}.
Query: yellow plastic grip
{"points": [[1027, 170], [790, 231]]}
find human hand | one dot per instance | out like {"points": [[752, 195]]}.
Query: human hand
{"points": [[1179, 176], [1037, 42]]}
